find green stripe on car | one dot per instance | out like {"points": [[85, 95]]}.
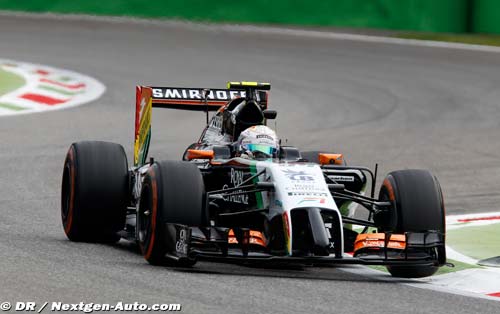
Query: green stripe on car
{"points": [[258, 195]]}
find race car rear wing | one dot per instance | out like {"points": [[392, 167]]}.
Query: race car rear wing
{"points": [[194, 99]]}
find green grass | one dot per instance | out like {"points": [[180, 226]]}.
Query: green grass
{"points": [[379, 268], [475, 39], [11, 107], [458, 267], [9, 81], [478, 242]]}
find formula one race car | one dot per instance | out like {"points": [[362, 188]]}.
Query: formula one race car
{"points": [[240, 196]]}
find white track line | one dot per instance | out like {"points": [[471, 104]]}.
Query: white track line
{"points": [[429, 283], [454, 222], [454, 255], [474, 282]]}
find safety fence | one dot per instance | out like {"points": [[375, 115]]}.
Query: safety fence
{"points": [[453, 16]]}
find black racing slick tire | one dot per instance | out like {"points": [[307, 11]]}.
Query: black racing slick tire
{"points": [[172, 192], [418, 207], [95, 188]]}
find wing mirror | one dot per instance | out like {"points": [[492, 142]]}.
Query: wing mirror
{"points": [[270, 114], [200, 154], [331, 159]]}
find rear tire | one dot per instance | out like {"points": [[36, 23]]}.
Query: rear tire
{"points": [[94, 194], [418, 207], [172, 192]]}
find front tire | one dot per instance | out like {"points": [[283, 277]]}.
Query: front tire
{"points": [[172, 192], [418, 207], [94, 191]]}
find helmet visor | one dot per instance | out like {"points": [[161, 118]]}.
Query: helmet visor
{"points": [[260, 151]]}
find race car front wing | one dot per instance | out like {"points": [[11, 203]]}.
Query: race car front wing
{"points": [[211, 243]]}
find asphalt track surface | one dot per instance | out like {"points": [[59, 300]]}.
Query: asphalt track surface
{"points": [[403, 107]]}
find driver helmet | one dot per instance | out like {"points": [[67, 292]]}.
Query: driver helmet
{"points": [[258, 142]]}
